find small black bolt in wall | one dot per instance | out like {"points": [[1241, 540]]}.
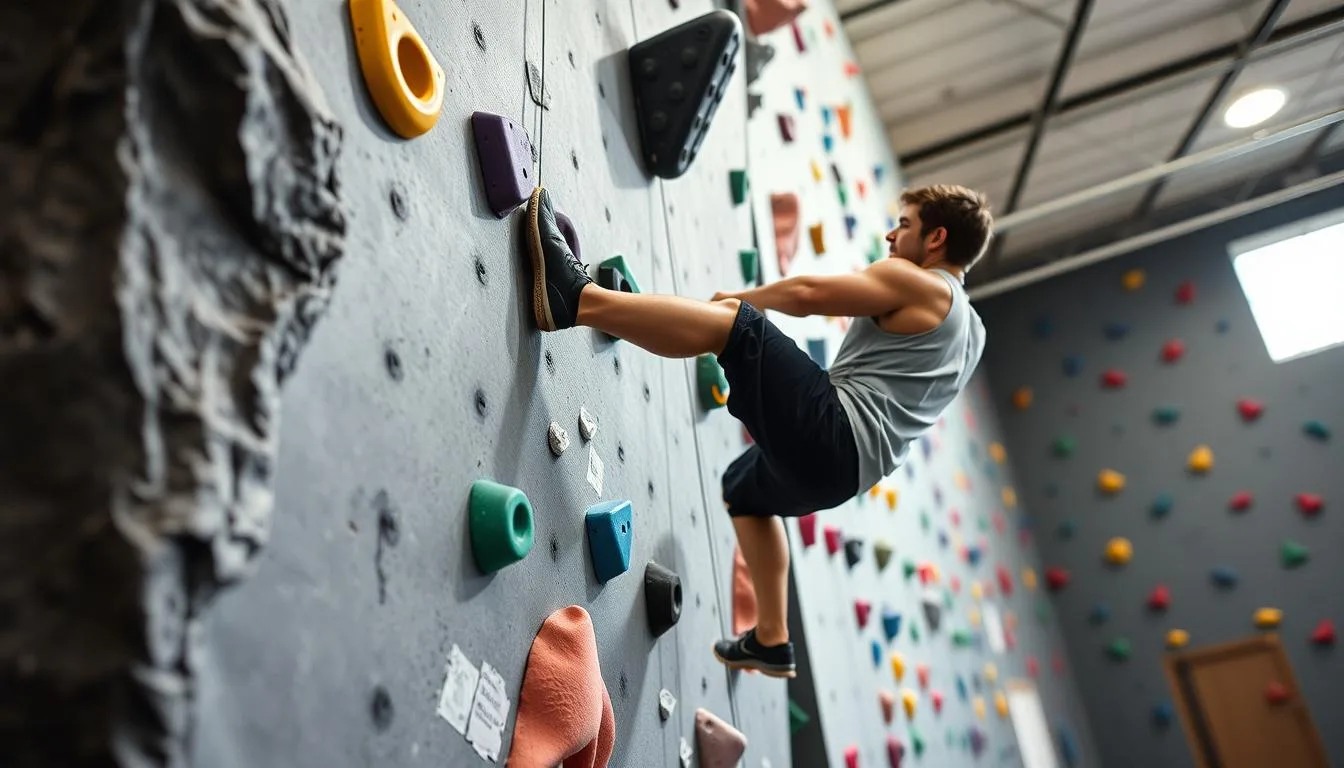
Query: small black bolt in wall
{"points": [[380, 708]]}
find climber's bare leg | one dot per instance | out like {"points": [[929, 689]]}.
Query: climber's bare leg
{"points": [[668, 326]]}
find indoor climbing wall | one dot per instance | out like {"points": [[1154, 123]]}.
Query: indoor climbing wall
{"points": [[370, 631], [1183, 484], [900, 590]]}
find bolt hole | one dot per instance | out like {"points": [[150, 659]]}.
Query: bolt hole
{"points": [[481, 405], [620, 453]]}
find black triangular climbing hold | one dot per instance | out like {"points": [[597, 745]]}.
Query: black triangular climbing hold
{"points": [[853, 552], [933, 615], [679, 79]]}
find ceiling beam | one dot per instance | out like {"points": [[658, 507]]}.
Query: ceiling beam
{"points": [[1258, 37], [867, 8], [1284, 38]]}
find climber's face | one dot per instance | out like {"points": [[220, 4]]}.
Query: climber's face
{"points": [[909, 241]]}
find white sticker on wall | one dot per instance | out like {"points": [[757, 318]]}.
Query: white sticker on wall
{"points": [[458, 690], [485, 730], [594, 470]]}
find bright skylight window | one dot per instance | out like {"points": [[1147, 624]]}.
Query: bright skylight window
{"points": [[1293, 278]]}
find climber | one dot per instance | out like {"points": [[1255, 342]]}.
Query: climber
{"points": [[820, 438]]}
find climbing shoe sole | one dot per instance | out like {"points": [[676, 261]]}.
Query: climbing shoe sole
{"points": [[769, 670], [541, 305]]}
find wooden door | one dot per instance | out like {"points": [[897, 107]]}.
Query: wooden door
{"points": [[1241, 708]]}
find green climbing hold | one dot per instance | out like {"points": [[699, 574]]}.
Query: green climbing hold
{"points": [[1042, 610], [711, 382], [1292, 554], [924, 521], [1119, 648], [917, 741], [748, 259], [798, 718], [501, 525], [1064, 446], [961, 638], [844, 197], [983, 522], [738, 181], [1166, 414], [614, 274], [914, 632], [908, 568], [1317, 429]]}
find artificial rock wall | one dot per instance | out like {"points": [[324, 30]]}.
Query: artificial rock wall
{"points": [[1190, 353], [950, 510]]}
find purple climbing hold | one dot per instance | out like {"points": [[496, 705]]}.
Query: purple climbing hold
{"points": [[571, 234], [1116, 331], [977, 739], [505, 156]]}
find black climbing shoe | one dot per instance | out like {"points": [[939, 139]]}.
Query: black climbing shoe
{"points": [[557, 274], [744, 652]]}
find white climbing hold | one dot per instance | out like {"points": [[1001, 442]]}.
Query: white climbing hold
{"points": [[686, 753], [558, 438], [587, 424], [666, 703]]}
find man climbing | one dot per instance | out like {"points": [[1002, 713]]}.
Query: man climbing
{"points": [[819, 438]]}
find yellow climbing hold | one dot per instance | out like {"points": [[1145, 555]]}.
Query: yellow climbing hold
{"points": [[818, 237], [816, 171], [1268, 618], [1009, 497], [908, 700], [1133, 279], [979, 703], [962, 480], [977, 591], [891, 499], [897, 666], [1029, 578], [1110, 481], [991, 672], [973, 615], [402, 76], [1177, 638], [875, 491], [1022, 398], [1201, 459], [1001, 704], [1119, 551], [997, 452]]}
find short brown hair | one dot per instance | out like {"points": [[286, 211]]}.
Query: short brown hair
{"points": [[962, 211]]}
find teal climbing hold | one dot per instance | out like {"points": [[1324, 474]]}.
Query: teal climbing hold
{"points": [[1162, 714], [610, 531], [1099, 614], [1162, 505], [828, 142], [1166, 414], [749, 261], [843, 195], [798, 717], [1066, 529], [891, 624], [737, 181], [877, 653], [1292, 554], [1316, 429], [1119, 649], [501, 525], [711, 382], [1064, 446], [614, 274], [961, 638]]}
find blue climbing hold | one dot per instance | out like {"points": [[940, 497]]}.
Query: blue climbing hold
{"points": [[1317, 429], [891, 624], [925, 445], [828, 142], [975, 681], [878, 170], [1116, 331], [877, 654], [800, 96], [1222, 326], [1073, 365], [1099, 614], [942, 539], [610, 531], [1162, 714], [973, 555], [851, 224], [1068, 749], [961, 688], [1162, 505], [1042, 327], [826, 115], [1224, 576]]}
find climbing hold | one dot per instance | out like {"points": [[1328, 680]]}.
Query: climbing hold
{"points": [[933, 615], [908, 568], [897, 666], [1159, 599], [1222, 326], [851, 756], [961, 688], [615, 275], [917, 742], [1119, 551], [1042, 327], [895, 752], [1006, 580], [1249, 409], [558, 438], [863, 189], [882, 552], [876, 648], [666, 704], [1022, 398], [961, 638], [1166, 414], [403, 77], [887, 701], [853, 552], [1064, 446], [826, 117], [504, 154], [1066, 529], [737, 184], [1119, 648], [1162, 714], [928, 574], [1029, 577], [587, 424], [1276, 693], [807, 529], [937, 699], [798, 717], [1185, 292], [1292, 554], [501, 525], [1316, 429], [1056, 578], [827, 142], [1110, 482], [973, 555], [1099, 614], [818, 239], [1267, 618], [1033, 666], [1073, 365], [1161, 505], [1113, 379], [851, 223], [891, 624], [845, 116], [1324, 633], [843, 195], [787, 132], [861, 610], [662, 598], [834, 540], [721, 745], [1240, 501], [1177, 638], [1068, 749], [712, 382], [998, 453], [676, 95], [748, 259], [978, 704], [991, 672], [610, 531], [1116, 331], [909, 699], [816, 171], [1309, 504], [1172, 351], [1201, 459], [1008, 496], [1001, 704], [922, 675], [1224, 576], [1133, 279]]}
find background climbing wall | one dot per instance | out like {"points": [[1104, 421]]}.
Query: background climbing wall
{"points": [[948, 499], [1035, 331], [428, 374]]}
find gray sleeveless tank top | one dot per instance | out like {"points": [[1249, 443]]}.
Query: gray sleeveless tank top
{"points": [[893, 386]]}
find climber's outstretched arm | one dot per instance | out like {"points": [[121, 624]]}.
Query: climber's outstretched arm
{"points": [[883, 287]]}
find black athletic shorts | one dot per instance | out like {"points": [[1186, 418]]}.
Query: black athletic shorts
{"points": [[804, 458]]}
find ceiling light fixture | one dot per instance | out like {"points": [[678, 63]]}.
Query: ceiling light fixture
{"points": [[1255, 107]]}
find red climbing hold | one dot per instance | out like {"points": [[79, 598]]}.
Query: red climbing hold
{"points": [[922, 672], [1310, 504], [851, 69], [1173, 350], [955, 584], [1276, 693], [1006, 580], [1324, 634], [927, 574], [1113, 379], [851, 757], [798, 37], [1160, 599], [1185, 292], [807, 529], [786, 129], [834, 539], [863, 193], [1056, 578], [937, 701], [955, 517], [1033, 667], [1249, 409], [1241, 501], [895, 751], [861, 610]]}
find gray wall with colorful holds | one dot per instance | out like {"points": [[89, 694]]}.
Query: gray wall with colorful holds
{"points": [[1045, 330]]}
